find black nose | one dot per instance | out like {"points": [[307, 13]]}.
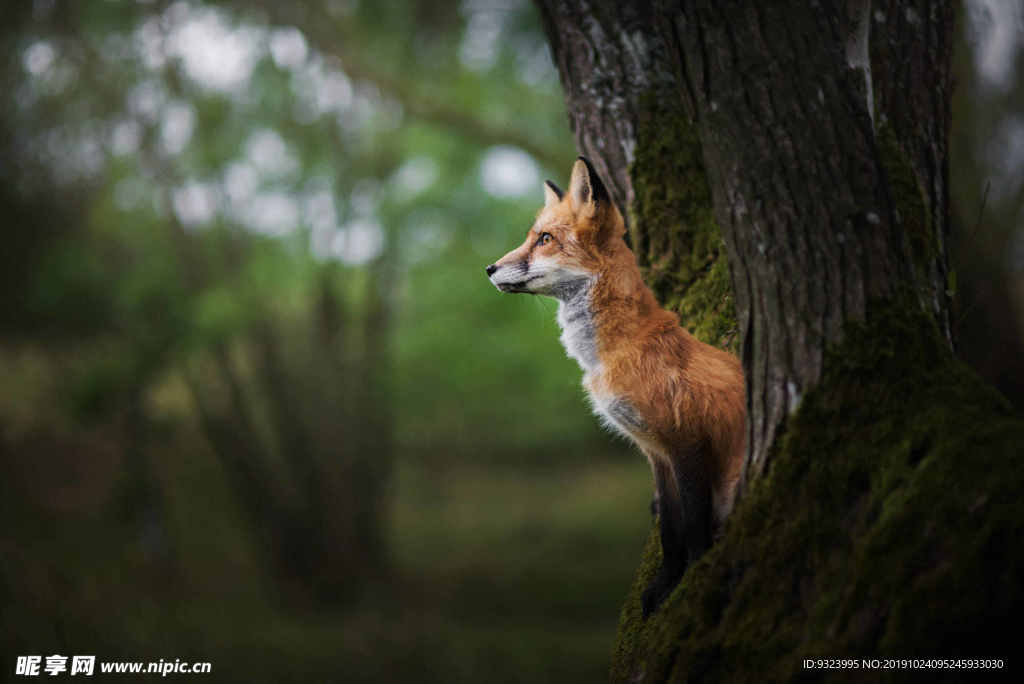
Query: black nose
{"points": [[491, 269]]}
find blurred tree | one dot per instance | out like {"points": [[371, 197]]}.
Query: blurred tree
{"points": [[987, 194], [243, 289], [815, 139], [117, 306]]}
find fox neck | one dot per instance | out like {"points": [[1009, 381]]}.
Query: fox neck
{"points": [[576, 318], [610, 306]]}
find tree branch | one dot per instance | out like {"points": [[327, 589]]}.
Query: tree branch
{"points": [[330, 36]]}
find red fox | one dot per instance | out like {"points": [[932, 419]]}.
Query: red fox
{"points": [[681, 401]]}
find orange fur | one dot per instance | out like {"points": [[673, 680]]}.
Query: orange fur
{"points": [[687, 397], [686, 391]]}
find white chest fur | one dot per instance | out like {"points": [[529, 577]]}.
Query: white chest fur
{"points": [[618, 415], [579, 337]]}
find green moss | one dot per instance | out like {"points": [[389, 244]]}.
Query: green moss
{"points": [[887, 525], [673, 230], [909, 199]]}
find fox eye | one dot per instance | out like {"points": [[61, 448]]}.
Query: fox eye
{"points": [[545, 238]]}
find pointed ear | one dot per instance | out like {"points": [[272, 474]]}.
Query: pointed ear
{"points": [[552, 194], [586, 191]]}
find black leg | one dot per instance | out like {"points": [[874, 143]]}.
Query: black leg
{"points": [[695, 495], [673, 549], [684, 503]]}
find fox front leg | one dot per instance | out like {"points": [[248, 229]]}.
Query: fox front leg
{"points": [[684, 503], [673, 548]]}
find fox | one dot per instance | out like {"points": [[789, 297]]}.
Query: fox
{"points": [[680, 401]]}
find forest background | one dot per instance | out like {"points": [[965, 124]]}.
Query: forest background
{"points": [[260, 405]]}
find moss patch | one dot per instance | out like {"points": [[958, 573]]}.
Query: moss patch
{"points": [[673, 230], [888, 525], [909, 200]]}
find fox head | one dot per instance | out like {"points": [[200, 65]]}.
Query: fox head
{"points": [[570, 240]]}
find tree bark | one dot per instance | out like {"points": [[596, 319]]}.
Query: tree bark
{"points": [[821, 133], [783, 168]]}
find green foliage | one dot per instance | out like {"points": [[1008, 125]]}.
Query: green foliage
{"points": [[882, 528], [214, 398]]}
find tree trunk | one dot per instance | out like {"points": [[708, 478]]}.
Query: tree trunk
{"points": [[810, 139], [826, 168]]}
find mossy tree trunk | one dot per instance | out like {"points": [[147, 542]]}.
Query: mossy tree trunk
{"points": [[812, 140], [794, 156]]}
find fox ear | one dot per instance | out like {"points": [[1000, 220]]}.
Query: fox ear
{"points": [[586, 191], [552, 194]]}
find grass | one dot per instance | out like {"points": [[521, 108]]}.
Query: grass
{"points": [[527, 567], [498, 574]]}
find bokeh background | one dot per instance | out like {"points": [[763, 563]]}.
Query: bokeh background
{"points": [[260, 406]]}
